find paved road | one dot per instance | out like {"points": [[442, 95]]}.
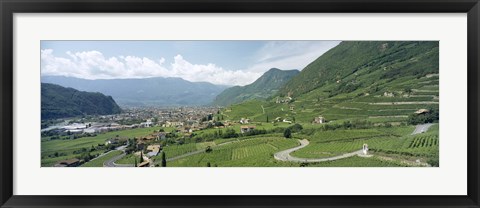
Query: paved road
{"points": [[285, 154], [111, 162], [421, 128]]}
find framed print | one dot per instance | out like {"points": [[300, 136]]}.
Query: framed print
{"points": [[245, 104]]}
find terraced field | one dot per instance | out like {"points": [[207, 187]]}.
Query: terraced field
{"points": [[245, 153]]}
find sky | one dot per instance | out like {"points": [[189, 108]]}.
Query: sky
{"points": [[218, 62]]}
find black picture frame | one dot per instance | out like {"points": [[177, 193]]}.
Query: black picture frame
{"points": [[9, 7]]}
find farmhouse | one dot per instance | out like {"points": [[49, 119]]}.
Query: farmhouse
{"points": [[421, 111], [319, 120], [154, 148], [244, 121], [292, 107], [144, 164], [68, 163], [245, 129]]}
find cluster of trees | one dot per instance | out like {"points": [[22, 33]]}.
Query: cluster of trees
{"points": [[344, 88], [355, 124], [86, 156], [132, 146], [287, 133], [209, 117], [228, 133], [428, 117]]}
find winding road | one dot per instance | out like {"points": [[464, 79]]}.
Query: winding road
{"points": [[285, 154], [282, 155], [111, 162]]}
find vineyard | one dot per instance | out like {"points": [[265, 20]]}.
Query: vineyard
{"points": [[249, 152], [357, 162], [387, 140]]}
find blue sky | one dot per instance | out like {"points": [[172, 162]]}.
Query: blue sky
{"points": [[218, 62]]}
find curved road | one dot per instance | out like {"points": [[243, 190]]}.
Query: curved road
{"points": [[282, 155], [285, 154], [111, 162]]}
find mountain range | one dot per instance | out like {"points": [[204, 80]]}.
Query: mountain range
{"points": [[341, 64], [157, 91], [264, 87], [61, 102], [373, 81]]}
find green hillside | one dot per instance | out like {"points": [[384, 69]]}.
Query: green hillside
{"points": [[351, 59], [264, 87], [381, 82], [61, 102]]}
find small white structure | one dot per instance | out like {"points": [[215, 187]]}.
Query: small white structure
{"points": [[319, 119], [244, 120], [365, 149]]}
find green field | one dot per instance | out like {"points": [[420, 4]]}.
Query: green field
{"points": [[66, 148], [98, 162], [257, 152]]}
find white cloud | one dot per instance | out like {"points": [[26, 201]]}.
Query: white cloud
{"points": [[94, 65], [290, 54]]}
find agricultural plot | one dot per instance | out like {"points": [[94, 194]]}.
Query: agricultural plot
{"points": [[66, 148], [256, 152], [358, 162]]}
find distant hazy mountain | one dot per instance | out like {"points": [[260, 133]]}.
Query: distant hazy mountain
{"points": [[156, 91], [264, 87], [61, 102]]}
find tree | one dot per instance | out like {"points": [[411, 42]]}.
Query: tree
{"points": [[208, 149], [408, 90], [293, 119], [141, 157], [287, 133], [135, 165], [164, 160], [208, 164], [267, 118]]}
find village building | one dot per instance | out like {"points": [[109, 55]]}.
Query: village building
{"points": [[388, 94], [144, 164], [421, 111], [245, 129], [146, 124], [153, 150], [292, 107], [319, 120], [68, 163], [244, 120]]}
